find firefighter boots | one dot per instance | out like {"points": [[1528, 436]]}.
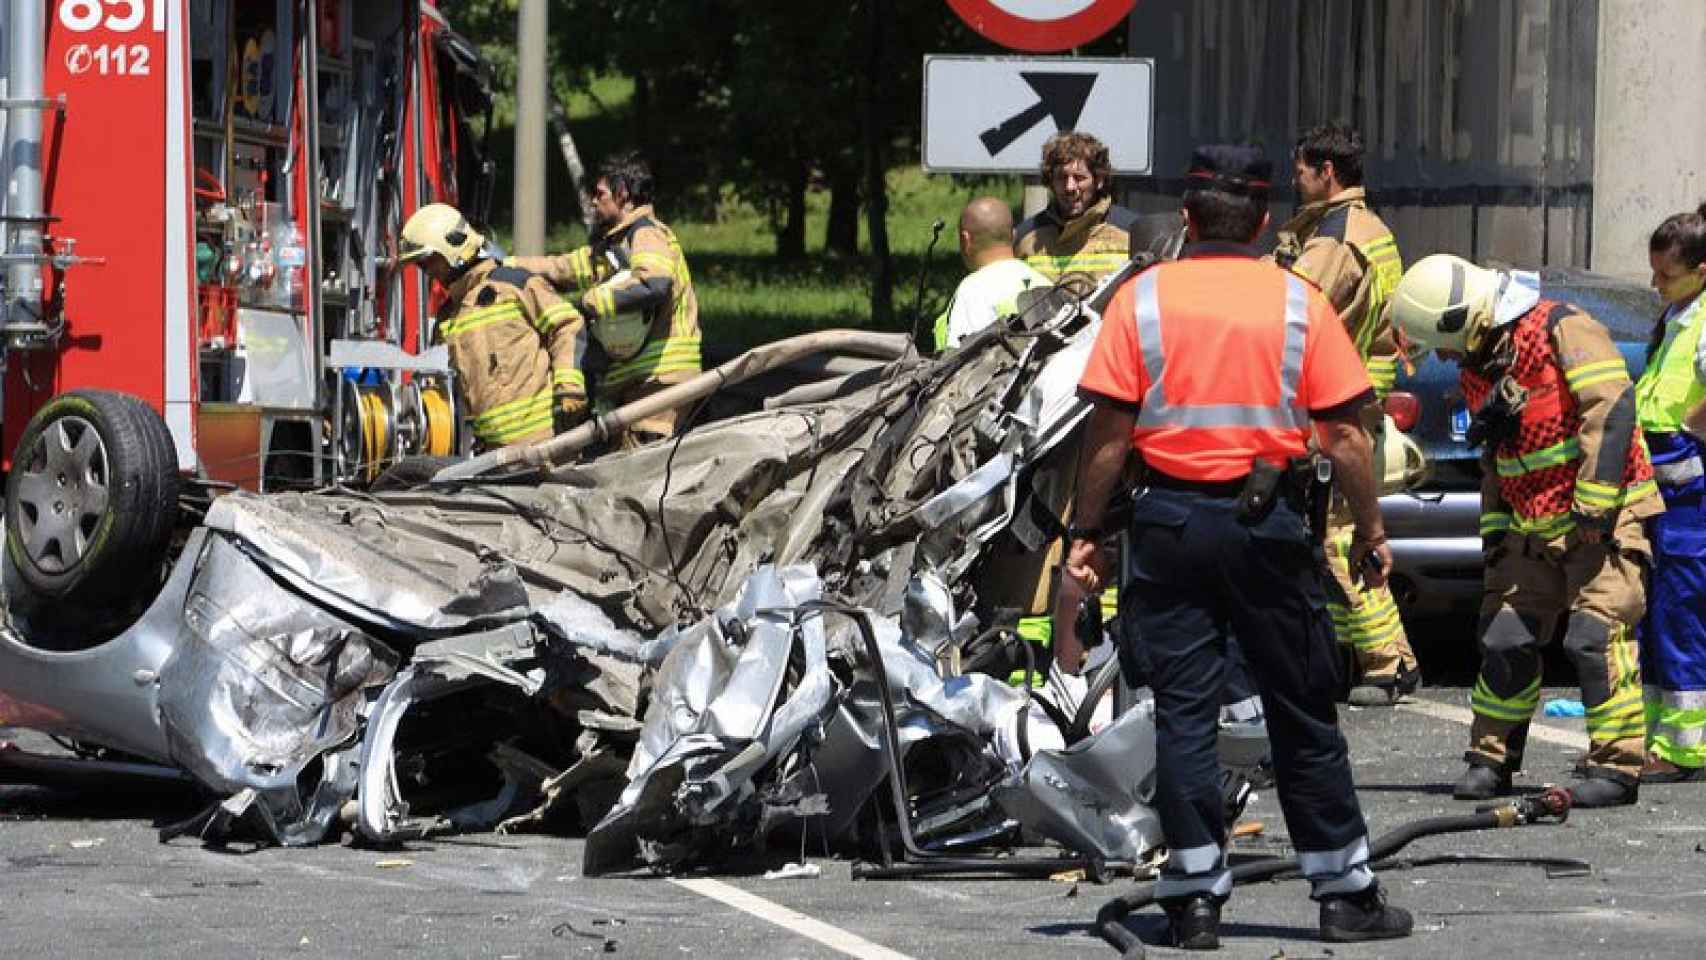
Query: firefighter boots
{"points": [[1482, 782], [1364, 915], [1602, 790]]}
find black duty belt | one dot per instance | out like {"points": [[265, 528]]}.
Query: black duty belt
{"points": [[1225, 489]]}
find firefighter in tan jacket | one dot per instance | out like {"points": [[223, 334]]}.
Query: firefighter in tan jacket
{"points": [[515, 345], [1337, 243], [1082, 230], [1566, 486], [636, 294]]}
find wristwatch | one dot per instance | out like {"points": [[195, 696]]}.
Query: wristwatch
{"points": [[1076, 532]]}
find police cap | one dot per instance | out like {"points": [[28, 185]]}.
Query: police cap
{"points": [[1234, 168]]}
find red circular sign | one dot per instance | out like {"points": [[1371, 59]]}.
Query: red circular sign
{"points": [[1042, 26]]}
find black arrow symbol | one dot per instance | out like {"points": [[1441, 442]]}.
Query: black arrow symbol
{"points": [[1060, 95]]}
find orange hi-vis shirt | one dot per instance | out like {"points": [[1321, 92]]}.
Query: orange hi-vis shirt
{"points": [[1222, 358]]}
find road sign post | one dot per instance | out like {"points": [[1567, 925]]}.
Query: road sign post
{"points": [[992, 114]]}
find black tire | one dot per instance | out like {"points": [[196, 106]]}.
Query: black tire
{"points": [[92, 499]]}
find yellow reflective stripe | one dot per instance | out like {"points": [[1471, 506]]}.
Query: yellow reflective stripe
{"points": [[1556, 455], [522, 408], [1495, 522], [662, 261], [1515, 709], [1381, 244], [1382, 373], [1597, 372], [555, 314], [542, 421], [1594, 494], [1546, 528], [570, 378], [603, 301], [484, 317], [1055, 266], [1599, 496], [1038, 631], [670, 355], [580, 266]]}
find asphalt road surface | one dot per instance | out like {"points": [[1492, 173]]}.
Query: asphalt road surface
{"points": [[84, 876]]}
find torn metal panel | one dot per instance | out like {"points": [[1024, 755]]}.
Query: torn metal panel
{"points": [[260, 683], [1091, 796], [715, 721]]}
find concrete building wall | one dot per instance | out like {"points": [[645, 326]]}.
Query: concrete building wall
{"points": [[1650, 160], [1479, 114]]}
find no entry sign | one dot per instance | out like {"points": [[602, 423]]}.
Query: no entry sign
{"points": [[1042, 26]]}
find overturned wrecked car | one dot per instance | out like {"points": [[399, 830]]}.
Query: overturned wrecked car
{"points": [[799, 618]]}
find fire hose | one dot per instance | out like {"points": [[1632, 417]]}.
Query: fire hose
{"points": [[558, 449], [1551, 805]]}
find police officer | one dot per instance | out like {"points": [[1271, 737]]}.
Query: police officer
{"points": [[1214, 368], [1337, 243], [1565, 486], [636, 293], [515, 345]]}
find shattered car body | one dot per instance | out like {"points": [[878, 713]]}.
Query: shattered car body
{"points": [[653, 644]]}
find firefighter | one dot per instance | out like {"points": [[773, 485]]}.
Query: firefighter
{"points": [[515, 345], [997, 277], [1214, 368], [1565, 486], [1337, 243], [636, 294], [1082, 230]]}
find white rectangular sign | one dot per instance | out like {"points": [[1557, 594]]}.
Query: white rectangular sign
{"points": [[992, 114]]}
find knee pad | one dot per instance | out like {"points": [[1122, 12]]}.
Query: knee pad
{"points": [[1587, 639]]}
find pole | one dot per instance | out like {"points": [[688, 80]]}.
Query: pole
{"points": [[530, 107], [23, 319]]}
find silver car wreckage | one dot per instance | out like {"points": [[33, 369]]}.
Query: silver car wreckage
{"points": [[794, 619]]}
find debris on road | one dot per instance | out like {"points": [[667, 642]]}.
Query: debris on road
{"points": [[796, 621]]}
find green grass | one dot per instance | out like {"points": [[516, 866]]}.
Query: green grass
{"points": [[747, 295]]}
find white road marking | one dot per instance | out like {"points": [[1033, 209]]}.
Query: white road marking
{"points": [[834, 938], [1537, 731]]}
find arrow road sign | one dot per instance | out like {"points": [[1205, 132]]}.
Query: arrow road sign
{"points": [[1062, 97], [992, 114]]}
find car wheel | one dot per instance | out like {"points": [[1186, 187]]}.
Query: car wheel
{"points": [[92, 498]]}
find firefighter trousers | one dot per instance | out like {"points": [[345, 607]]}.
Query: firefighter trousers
{"points": [[1364, 619], [1199, 575], [1597, 593]]}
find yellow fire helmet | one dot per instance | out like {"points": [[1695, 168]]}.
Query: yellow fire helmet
{"points": [[1443, 303], [439, 228]]}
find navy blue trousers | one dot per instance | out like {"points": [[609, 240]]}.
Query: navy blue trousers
{"points": [[1199, 575]]}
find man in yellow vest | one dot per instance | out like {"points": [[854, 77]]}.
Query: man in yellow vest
{"points": [[991, 290], [636, 294], [1337, 243]]}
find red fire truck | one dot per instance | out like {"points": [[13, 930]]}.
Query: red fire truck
{"points": [[197, 283]]}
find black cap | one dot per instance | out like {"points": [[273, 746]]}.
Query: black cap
{"points": [[1235, 168]]}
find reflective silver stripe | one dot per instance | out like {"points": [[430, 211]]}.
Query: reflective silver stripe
{"points": [[1195, 870], [1197, 859], [1355, 880], [1675, 699], [1244, 711], [1155, 410], [1216, 884], [1326, 865], [1678, 473]]}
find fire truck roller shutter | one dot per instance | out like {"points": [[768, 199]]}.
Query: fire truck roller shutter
{"points": [[92, 501]]}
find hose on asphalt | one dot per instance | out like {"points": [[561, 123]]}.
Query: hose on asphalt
{"points": [[1551, 805]]}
